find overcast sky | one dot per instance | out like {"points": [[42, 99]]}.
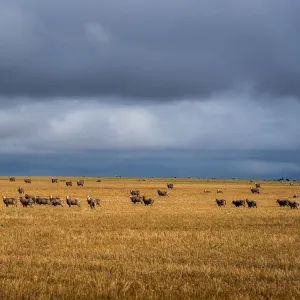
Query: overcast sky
{"points": [[150, 88]]}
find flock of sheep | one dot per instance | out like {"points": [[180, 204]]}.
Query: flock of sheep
{"points": [[135, 197], [253, 203]]}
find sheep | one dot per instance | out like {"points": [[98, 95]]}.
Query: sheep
{"points": [[148, 201], [56, 201], [134, 192], [221, 202], [80, 182], [93, 202], [206, 191], [282, 202], [27, 180], [162, 193], [20, 190], [54, 180], [10, 201], [251, 203], [11, 179], [238, 203], [254, 190], [69, 183], [293, 204], [170, 185], [42, 201], [219, 191], [26, 202], [75, 201], [134, 199]]}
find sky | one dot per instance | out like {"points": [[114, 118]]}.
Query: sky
{"points": [[150, 88]]}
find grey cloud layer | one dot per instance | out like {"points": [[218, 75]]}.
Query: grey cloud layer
{"points": [[148, 49], [228, 122]]}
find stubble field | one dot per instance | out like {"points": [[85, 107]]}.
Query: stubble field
{"points": [[182, 247]]}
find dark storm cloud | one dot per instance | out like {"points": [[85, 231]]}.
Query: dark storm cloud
{"points": [[148, 49]]}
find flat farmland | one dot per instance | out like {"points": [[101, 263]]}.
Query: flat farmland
{"points": [[182, 247]]}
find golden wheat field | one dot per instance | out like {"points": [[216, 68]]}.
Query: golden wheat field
{"points": [[182, 247]]}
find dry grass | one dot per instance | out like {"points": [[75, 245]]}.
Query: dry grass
{"points": [[182, 247]]}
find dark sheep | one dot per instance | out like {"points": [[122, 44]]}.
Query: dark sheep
{"points": [[69, 183], [20, 190], [148, 201], [55, 201], [162, 193], [54, 180], [80, 182], [10, 201], [239, 203], [27, 180], [170, 185], [251, 203], [26, 202], [221, 202], [293, 204], [255, 190], [134, 192], [11, 179], [282, 202], [42, 201], [134, 199]]}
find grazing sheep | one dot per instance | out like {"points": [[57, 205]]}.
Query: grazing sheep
{"points": [[21, 190], [238, 203], [254, 190], [282, 202], [293, 204], [10, 201], [69, 183], [26, 202], [219, 191], [55, 201], [134, 192], [257, 185], [295, 196], [251, 203], [99, 180], [54, 180], [221, 202], [42, 201], [170, 185], [93, 202], [11, 179], [162, 193], [27, 180], [134, 199], [75, 201], [206, 191], [80, 182], [148, 201]]}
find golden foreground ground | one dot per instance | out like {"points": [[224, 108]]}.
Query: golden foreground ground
{"points": [[183, 247]]}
